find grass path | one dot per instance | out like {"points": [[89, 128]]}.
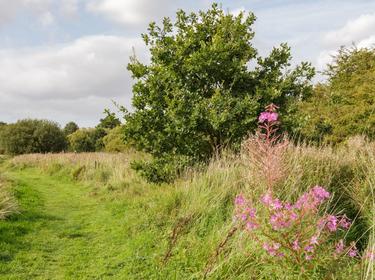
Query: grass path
{"points": [[62, 232]]}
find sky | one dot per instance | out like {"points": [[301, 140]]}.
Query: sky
{"points": [[65, 60]]}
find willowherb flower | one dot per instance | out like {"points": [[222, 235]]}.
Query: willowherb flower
{"points": [[344, 222], [295, 245], [369, 255], [314, 240], [239, 200], [268, 116], [353, 251], [339, 247], [273, 249]]}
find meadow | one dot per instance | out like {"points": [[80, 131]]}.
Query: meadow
{"points": [[90, 216]]}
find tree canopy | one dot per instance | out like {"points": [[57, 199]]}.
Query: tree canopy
{"points": [[70, 127], [32, 136], [344, 105], [206, 84]]}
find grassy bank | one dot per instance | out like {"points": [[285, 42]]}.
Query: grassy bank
{"points": [[112, 224]]}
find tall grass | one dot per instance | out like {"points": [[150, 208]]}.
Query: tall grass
{"points": [[192, 218], [8, 204]]}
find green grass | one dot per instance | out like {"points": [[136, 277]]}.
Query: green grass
{"points": [[89, 216], [64, 232]]}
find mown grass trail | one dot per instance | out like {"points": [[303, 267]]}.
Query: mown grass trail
{"points": [[62, 232]]}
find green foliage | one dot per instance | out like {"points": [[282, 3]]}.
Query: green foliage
{"points": [[83, 140], [198, 94], [70, 127], [110, 121], [190, 217], [2, 128], [32, 136], [344, 105], [113, 141]]}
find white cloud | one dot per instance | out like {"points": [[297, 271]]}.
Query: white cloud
{"points": [[360, 31], [353, 31], [132, 12], [64, 77]]}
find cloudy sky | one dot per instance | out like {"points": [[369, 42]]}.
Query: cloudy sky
{"points": [[66, 59]]}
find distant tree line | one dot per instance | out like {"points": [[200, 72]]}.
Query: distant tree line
{"points": [[44, 136]]}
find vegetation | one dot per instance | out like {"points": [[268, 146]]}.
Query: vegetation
{"points": [[263, 206], [198, 94], [70, 128], [136, 230], [83, 140], [344, 105], [32, 136], [114, 140]]}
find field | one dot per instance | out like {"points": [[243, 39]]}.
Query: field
{"points": [[89, 216]]}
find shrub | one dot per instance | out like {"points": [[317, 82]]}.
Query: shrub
{"points": [[198, 94], [32, 136], [83, 140], [114, 140]]}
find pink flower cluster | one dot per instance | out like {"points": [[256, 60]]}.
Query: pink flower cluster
{"points": [[268, 116], [340, 249], [297, 228]]}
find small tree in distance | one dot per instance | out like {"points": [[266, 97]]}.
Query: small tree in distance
{"points": [[198, 94], [70, 127]]}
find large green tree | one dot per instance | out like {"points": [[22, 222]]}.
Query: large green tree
{"points": [[344, 105], [206, 84]]}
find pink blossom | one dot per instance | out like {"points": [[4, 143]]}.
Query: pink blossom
{"points": [[250, 225], [295, 245], [268, 116], [267, 199], [272, 249], [339, 247], [353, 251], [331, 223], [344, 222], [369, 255], [239, 200], [308, 257], [309, 248], [314, 240], [320, 193]]}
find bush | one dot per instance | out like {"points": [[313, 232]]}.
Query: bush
{"points": [[32, 136], [198, 94], [83, 140], [114, 140]]}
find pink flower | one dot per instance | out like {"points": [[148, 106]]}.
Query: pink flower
{"points": [[308, 257], [320, 193], [353, 251], [268, 116], [295, 245], [339, 247], [369, 255], [314, 240], [309, 248], [273, 249], [250, 225], [331, 223], [239, 200], [344, 222], [267, 199]]}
